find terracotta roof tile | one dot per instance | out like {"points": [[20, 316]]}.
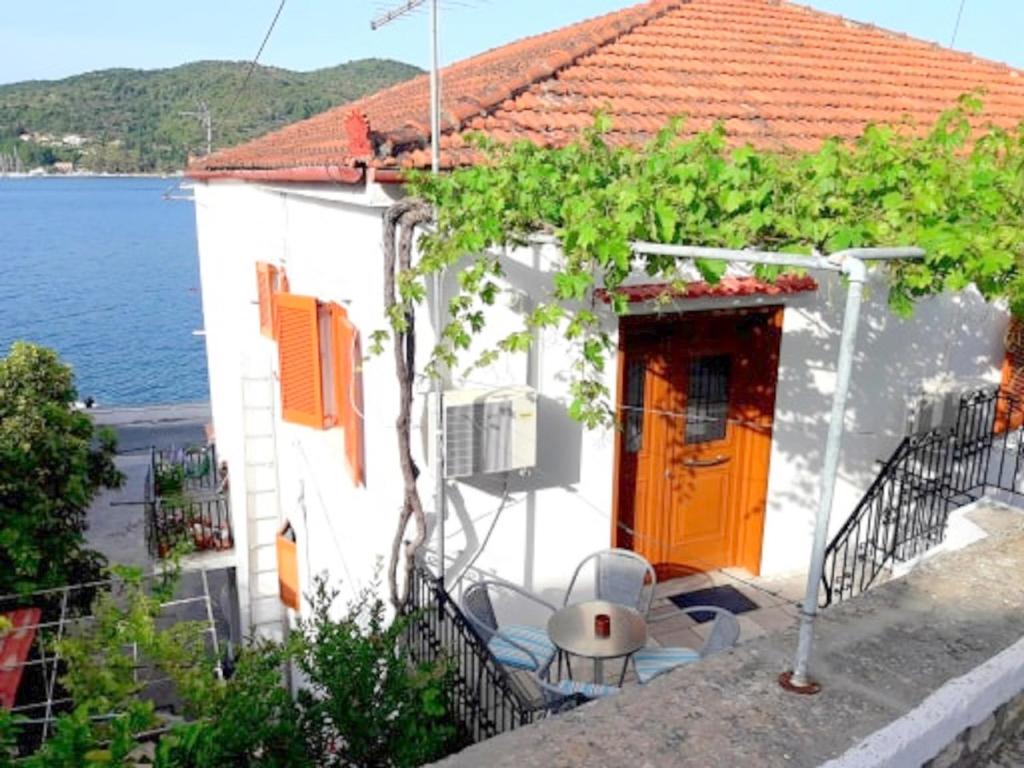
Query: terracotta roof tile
{"points": [[727, 286], [774, 73]]}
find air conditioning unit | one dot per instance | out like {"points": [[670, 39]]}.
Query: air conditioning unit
{"points": [[937, 404], [486, 430]]}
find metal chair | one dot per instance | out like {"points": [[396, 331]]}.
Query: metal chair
{"points": [[725, 632], [562, 695], [621, 576], [518, 646]]}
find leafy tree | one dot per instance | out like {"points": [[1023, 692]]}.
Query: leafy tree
{"points": [[132, 119], [53, 462]]}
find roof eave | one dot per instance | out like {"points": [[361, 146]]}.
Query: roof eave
{"points": [[332, 174]]}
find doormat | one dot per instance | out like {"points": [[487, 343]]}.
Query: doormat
{"points": [[729, 598]]}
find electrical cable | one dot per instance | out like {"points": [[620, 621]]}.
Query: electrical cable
{"points": [[956, 27], [256, 58], [487, 537], [353, 584]]}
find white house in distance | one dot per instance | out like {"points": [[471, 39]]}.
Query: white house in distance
{"points": [[290, 243]]}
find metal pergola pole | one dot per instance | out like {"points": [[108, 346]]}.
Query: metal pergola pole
{"points": [[850, 263], [799, 679]]}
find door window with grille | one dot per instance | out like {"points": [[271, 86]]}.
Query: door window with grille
{"points": [[707, 399], [636, 378]]}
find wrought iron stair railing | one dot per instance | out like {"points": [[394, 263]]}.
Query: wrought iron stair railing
{"points": [[903, 513], [486, 699], [906, 509]]}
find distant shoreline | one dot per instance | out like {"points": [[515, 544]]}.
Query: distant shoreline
{"points": [[86, 175], [122, 415]]}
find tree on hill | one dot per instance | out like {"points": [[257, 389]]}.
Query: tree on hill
{"points": [[53, 462], [132, 119]]}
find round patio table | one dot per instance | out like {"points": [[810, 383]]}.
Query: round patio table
{"points": [[571, 629]]}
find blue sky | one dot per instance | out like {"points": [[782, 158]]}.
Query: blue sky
{"points": [[64, 37]]}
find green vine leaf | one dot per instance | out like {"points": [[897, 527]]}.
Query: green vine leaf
{"points": [[956, 191]]}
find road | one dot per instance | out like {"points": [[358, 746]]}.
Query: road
{"points": [[117, 527]]}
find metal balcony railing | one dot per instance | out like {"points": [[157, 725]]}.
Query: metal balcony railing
{"points": [[186, 502]]}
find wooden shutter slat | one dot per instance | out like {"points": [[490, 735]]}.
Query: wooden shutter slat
{"points": [[354, 447], [288, 567], [299, 355], [265, 293], [349, 380]]}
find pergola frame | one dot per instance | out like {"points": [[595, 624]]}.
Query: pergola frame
{"points": [[852, 264], [49, 632]]}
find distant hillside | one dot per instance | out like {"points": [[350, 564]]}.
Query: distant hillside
{"points": [[126, 120]]}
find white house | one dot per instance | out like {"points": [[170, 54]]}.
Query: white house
{"points": [[290, 242]]}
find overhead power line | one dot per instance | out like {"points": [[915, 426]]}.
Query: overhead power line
{"points": [[256, 58], [956, 27]]}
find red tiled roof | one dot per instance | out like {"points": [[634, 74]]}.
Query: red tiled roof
{"points": [[726, 287], [14, 649], [774, 73]]}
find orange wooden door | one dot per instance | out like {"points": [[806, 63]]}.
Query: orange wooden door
{"points": [[697, 404]]}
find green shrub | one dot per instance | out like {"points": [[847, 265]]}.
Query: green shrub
{"points": [[362, 702]]}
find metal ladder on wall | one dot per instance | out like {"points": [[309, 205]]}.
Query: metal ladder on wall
{"points": [[267, 616]]}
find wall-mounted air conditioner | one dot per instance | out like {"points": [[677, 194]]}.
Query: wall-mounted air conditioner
{"points": [[937, 404], [486, 430]]}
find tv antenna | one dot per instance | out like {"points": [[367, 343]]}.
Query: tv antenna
{"points": [[435, 68], [437, 386], [204, 117]]}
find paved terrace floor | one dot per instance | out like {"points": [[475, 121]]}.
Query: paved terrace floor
{"points": [[878, 656], [774, 607]]}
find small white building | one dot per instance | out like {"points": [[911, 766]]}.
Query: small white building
{"points": [[310, 439]]}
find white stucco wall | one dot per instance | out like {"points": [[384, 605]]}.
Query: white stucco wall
{"points": [[329, 239]]}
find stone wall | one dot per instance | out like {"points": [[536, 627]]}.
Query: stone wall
{"points": [[976, 746]]}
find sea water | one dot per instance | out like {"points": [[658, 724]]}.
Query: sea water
{"points": [[104, 270]]}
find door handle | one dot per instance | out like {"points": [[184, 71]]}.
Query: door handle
{"points": [[699, 463]]}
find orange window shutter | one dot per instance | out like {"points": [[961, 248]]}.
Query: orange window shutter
{"points": [[349, 380], [354, 448], [279, 284], [342, 354], [265, 292], [288, 567], [299, 355]]}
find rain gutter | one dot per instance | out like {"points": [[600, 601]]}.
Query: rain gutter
{"points": [[335, 174]]}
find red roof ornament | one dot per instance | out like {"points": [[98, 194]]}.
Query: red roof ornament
{"points": [[357, 133]]}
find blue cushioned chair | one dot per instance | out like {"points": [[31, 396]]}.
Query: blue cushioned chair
{"points": [[725, 632], [563, 695], [518, 646]]}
